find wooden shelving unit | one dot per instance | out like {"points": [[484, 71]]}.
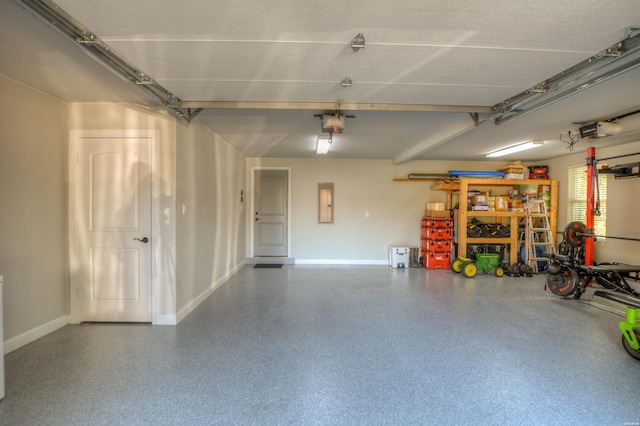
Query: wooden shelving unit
{"points": [[462, 186]]}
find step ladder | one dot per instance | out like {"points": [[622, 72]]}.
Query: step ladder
{"points": [[537, 233]]}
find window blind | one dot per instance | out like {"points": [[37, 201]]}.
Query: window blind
{"points": [[577, 199]]}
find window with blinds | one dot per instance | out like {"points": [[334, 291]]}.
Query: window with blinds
{"points": [[577, 199]]}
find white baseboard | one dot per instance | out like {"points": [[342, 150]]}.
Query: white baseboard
{"points": [[198, 300], [35, 333], [165, 320], [342, 262]]}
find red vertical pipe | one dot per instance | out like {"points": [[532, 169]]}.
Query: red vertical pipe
{"points": [[591, 164]]}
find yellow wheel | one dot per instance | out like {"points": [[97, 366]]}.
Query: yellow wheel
{"points": [[499, 272], [456, 266], [469, 269]]}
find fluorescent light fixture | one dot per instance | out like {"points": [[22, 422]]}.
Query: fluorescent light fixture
{"points": [[324, 141], [515, 148]]}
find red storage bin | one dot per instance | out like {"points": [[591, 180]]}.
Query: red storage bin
{"points": [[436, 245], [438, 222], [434, 233], [437, 260]]}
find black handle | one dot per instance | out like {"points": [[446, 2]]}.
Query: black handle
{"points": [[144, 240]]}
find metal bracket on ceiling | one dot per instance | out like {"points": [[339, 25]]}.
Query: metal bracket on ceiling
{"points": [[474, 117], [89, 39], [602, 66], [68, 26], [539, 88], [358, 42], [191, 113]]}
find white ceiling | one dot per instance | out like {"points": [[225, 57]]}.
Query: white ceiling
{"points": [[418, 52]]}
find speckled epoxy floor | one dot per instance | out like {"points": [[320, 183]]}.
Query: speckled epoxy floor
{"points": [[336, 345]]}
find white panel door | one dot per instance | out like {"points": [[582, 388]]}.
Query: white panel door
{"points": [[271, 213], [113, 221]]}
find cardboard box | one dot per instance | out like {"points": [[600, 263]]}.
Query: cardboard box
{"points": [[515, 203], [514, 176], [480, 208], [534, 208], [502, 204], [437, 213], [478, 199]]}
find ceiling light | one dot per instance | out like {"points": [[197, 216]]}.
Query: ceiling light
{"points": [[358, 42], [324, 141], [515, 148], [346, 82]]}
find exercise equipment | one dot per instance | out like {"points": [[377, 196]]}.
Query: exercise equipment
{"points": [[575, 234], [568, 275], [572, 269]]}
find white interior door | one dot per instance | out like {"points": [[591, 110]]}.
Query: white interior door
{"points": [[113, 228], [271, 203]]}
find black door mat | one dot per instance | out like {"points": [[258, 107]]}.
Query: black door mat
{"points": [[268, 265]]}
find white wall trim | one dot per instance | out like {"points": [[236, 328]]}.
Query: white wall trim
{"points": [[214, 286], [35, 333], [342, 262], [165, 320]]}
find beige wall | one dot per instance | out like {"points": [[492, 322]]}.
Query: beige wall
{"points": [[394, 208], [33, 208], [623, 201], [210, 222]]}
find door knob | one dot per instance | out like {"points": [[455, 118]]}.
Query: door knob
{"points": [[143, 240]]}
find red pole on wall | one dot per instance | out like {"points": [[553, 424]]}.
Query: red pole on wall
{"points": [[591, 164]]}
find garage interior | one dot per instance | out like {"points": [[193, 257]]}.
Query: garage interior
{"points": [[213, 103]]}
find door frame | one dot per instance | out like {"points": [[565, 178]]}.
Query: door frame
{"points": [[253, 193], [73, 204]]}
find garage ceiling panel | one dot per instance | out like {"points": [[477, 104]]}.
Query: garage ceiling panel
{"points": [[426, 52]]}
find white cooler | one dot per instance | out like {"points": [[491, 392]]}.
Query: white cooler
{"points": [[398, 257]]}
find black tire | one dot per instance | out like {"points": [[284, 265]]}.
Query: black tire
{"points": [[634, 353]]}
